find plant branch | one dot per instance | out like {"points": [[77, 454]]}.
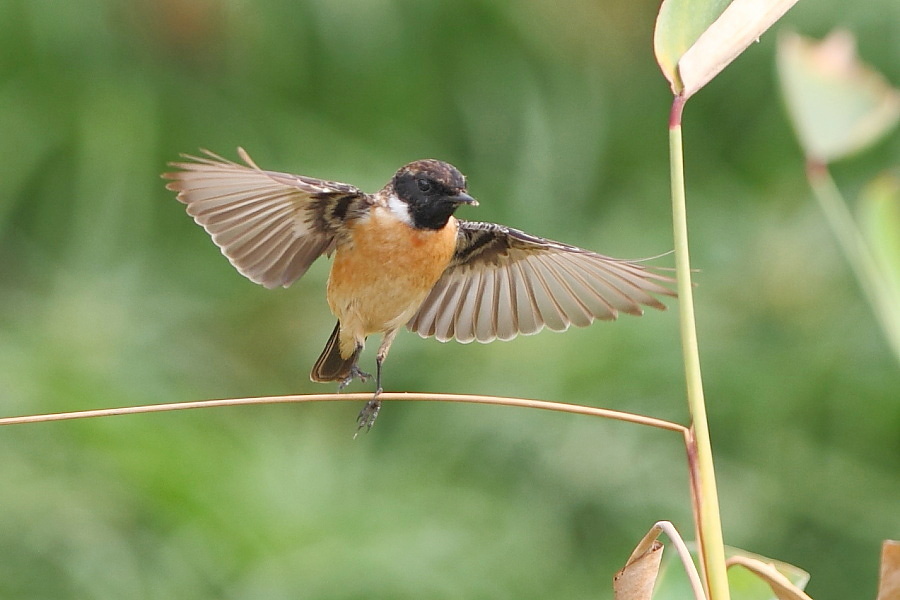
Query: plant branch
{"points": [[401, 396], [700, 460]]}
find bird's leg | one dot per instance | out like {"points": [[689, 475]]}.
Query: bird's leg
{"points": [[379, 359], [355, 371], [369, 412]]}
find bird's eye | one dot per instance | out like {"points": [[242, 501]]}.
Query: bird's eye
{"points": [[424, 185]]}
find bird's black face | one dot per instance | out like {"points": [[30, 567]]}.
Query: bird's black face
{"points": [[432, 190]]}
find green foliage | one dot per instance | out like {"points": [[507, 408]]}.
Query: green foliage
{"points": [[880, 224], [679, 24], [110, 296]]}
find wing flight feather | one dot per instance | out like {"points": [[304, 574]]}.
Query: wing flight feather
{"points": [[503, 282], [271, 226]]}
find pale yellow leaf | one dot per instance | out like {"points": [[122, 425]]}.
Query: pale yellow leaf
{"points": [[742, 23], [695, 39], [678, 25]]}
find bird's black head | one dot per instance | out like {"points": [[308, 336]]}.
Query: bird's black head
{"points": [[432, 190]]}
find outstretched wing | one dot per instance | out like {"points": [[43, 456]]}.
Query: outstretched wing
{"points": [[270, 225], [503, 282]]}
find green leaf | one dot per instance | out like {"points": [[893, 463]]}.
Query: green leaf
{"points": [[758, 578], [694, 40], [879, 221], [837, 104], [678, 25], [742, 583]]}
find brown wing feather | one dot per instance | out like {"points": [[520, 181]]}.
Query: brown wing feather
{"points": [[270, 225], [503, 282]]}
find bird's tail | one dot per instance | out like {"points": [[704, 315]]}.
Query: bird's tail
{"points": [[331, 366]]}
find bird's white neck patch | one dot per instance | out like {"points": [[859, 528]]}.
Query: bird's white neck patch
{"points": [[399, 209]]}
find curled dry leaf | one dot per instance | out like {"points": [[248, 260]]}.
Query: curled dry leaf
{"points": [[648, 544], [837, 104], [889, 581], [636, 579]]}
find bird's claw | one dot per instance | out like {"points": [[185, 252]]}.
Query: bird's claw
{"points": [[368, 414], [355, 373]]}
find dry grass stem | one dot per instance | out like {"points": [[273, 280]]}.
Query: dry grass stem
{"points": [[392, 396]]}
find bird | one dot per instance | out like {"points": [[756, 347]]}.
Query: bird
{"points": [[401, 258]]}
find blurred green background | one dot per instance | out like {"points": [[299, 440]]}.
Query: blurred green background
{"points": [[111, 296]]}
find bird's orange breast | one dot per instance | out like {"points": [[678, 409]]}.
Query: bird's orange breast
{"points": [[383, 273]]}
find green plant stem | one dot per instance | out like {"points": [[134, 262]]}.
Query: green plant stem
{"points": [[874, 284], [700, 461]]}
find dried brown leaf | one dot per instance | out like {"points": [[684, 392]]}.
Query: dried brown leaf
{"points": [[889, 581], [636, 579]]}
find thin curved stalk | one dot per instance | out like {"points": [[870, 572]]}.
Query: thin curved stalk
{"points": [[391, 396], [683, 553]]}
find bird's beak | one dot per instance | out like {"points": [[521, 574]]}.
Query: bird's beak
{"points": [[464, 198]]}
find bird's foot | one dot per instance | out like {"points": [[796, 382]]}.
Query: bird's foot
{"points": [[355, 373], [368, 414]]}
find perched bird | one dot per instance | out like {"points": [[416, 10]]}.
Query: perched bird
{"points": [[401, 258]]}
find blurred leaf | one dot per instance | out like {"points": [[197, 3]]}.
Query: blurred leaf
{"points": [[889, 580], [838, 105], [773, 573], [879, 208], [694, 41], [742, 583], [636, 579], [859, 254]]}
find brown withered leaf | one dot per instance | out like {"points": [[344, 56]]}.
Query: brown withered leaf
{"points": [[889, 580], [636, 579]]}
